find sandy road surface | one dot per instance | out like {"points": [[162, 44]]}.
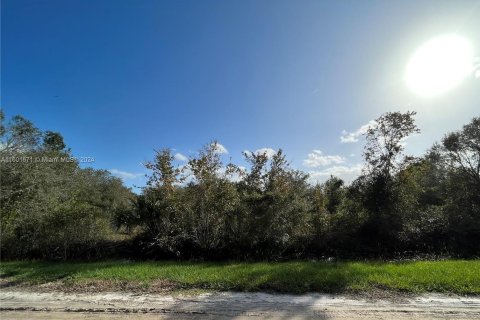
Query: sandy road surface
{"points": [[16, 304]]}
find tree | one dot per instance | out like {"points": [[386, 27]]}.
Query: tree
{"points": [[420, 197], [333, 190], [159, 210], [53, 141], [461, 153], [213, 198], [462, 150], [255, 179], [20, 135], [384, 146], [277, 207], [51, 207], [384, 142], [2, 126]]}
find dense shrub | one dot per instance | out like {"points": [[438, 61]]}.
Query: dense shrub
{"points": [[206, 209]]}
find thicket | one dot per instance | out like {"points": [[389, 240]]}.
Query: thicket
{"points": [[50, 207], [208, 209]]}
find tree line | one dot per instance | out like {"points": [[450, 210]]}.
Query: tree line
{"points": [[208, 209]]}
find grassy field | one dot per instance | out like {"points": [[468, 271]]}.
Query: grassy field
{"points": [[453, 276]]}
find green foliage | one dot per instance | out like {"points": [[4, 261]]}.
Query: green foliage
{"points": [[53, 141], [49, 205], [277, 207], [268, 211], [209, 209], [379, 186], [212, 198], [334, 193], [384, 142]]}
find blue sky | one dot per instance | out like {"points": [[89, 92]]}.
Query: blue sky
{"points": [[121, 78]]}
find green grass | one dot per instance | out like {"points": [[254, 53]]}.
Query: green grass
{"points": [[452, 276]]}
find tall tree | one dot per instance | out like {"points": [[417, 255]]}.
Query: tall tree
{"points": [[213, 198], [384, 142], [462, 149], [383, 150]]}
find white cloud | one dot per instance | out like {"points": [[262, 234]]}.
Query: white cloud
{"points": [[348, 137], [247, 152], [318, 159], [180, 157], [351, 137], [125, 175], [220, 149], [234, 176], [347, 173], [237, 176], [269, 152]]}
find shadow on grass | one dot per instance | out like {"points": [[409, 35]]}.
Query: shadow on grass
{"points": [[37, 272], [284, 277], [287, 277]]}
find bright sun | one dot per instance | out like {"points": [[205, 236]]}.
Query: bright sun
{"points": [[439, 65]]}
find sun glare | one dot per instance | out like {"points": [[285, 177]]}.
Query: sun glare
{"points": [[439, 65]]}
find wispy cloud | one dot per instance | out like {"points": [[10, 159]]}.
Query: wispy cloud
{"points": [[124, 174], [352, 137], [347, 173], [180, 157], [318, 159]]}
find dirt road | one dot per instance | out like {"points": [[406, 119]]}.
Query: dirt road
{"points": [[16, 304]]}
